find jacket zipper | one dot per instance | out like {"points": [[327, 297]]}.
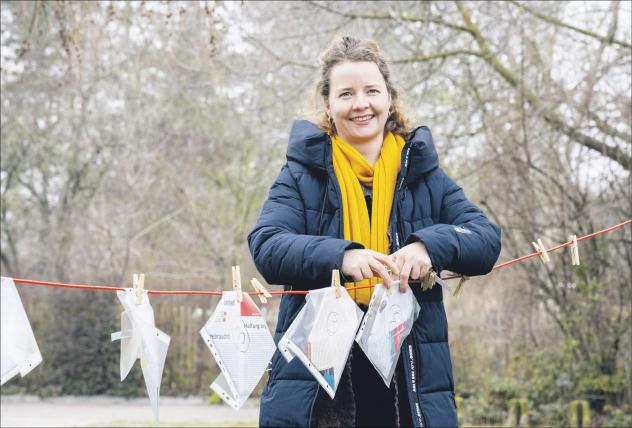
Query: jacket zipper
{"points": [[410, 353], [417, 411], [414, 375], [339, 194], [398, 194]]}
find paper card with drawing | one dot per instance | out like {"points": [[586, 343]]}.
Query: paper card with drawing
{"points": [[19, 350], [140, 339], [386, 324], [241, 343], [322, 334]]}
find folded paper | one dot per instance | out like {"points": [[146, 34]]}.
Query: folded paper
{"points": [[140, 339], [19, 350], [322, 334], [385, 326], [241, 343]]}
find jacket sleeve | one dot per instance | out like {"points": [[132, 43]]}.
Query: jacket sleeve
{"points": [[464, 241], [281, 250]]}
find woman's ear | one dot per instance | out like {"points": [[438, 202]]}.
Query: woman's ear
{"points": [[327, 110]]}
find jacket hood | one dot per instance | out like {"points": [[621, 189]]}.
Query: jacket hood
{"points": [[308, 145]]}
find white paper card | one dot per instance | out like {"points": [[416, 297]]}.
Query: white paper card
{"points": [[241, 343], [322, 334], [19, 350], [141, 339], [387, 323]]}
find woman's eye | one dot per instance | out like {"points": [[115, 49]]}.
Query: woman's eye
{"points": [[344, 94], [374, 91]]}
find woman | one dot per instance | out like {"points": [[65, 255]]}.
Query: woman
{"points": [[362, 193]]}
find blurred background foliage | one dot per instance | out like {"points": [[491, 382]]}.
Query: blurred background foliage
{"points": [[143, 137]]}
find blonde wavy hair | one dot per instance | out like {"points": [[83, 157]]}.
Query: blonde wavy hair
{"points": [[351, 49]]}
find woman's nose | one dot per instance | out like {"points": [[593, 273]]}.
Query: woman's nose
{"points": [[360, 102]]}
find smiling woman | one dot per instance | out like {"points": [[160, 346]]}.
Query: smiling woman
{"points": [[358, 106], [362, 78], [363, 193]]}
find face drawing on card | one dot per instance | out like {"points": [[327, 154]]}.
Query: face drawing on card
{"points": [[322, 334], [240, 341], [395, 315], [386, 325], [239, 337], [332, 323]]}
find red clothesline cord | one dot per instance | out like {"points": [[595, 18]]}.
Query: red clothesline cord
{"points": [[557, 247], [219, 293]]}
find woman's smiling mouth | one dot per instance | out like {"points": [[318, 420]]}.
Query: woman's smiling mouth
{"points": [[361, 120]]}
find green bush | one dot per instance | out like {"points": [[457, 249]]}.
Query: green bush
{"points": [[616, 417], [479, 410], [550, 414]]}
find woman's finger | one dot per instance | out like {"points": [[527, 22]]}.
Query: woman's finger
{"points": [[415, 272], [399, 262], [388, 261], [356, 275], [402, 288], [367, 273], [404, 273], [380, 269]]}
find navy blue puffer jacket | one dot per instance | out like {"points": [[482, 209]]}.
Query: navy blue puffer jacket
{"points": [[298, 240]]}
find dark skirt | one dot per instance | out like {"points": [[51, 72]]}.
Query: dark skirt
{"points": [[362, 398], [375, 404]]}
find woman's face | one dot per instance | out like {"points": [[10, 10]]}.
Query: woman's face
{"points": [[358, 101]]}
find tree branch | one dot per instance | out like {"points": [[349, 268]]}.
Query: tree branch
{"points": [[559, 23], [437, 55], [434, 19], [281, 60], [615, 153]]}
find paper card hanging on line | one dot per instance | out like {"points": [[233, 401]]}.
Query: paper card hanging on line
{"points": [[140, 339], [19, 350], [241, 343], [322, 334], [387, 322]]}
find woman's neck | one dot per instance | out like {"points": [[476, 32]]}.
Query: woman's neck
{"points": [[370, 150]]}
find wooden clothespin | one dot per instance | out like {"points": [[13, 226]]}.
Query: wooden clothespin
{"points": [[389, 289], [574, 250], [139, 287], [237, 283], [429, 280], [457, 290], [335, 282], [265, 292], [541, 249], [260, 289]]}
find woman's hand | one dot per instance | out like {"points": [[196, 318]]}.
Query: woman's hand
{"points": [[365, 264], [413, 262]]}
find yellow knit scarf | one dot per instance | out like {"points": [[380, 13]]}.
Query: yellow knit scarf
{"points": [[351, 168]]}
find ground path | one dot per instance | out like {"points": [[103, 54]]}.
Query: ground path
{"points": [[29, 411]]}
